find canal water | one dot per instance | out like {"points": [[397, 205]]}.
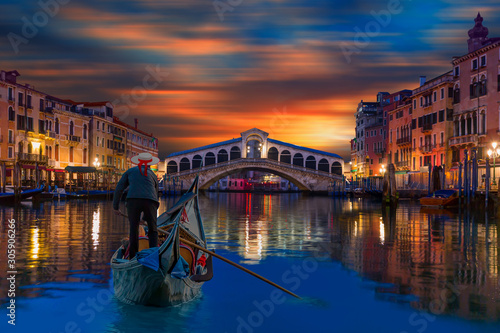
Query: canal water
{"points": [[357, 266]]}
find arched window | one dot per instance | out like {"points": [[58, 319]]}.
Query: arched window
{"points": [[185, 164], [57, 126], [171, 167], [323, 165], [222, 156], [298, 159], [197, 159], [235, 153], [311, 162], [209, 159], [12, 114], [337, 168], [273, 154], [286, 157]]}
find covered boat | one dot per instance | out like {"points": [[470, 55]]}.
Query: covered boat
{"points": [[172, 273], [440, 198], [10, 198]]}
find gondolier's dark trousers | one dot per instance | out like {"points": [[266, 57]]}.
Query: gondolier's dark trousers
{"points": [[134, 209]]}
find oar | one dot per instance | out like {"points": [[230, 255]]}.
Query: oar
{"points": [[201, 248], [234, 264]]}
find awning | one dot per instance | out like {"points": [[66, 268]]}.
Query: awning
{"points": [[81, 169], [27, 166]]}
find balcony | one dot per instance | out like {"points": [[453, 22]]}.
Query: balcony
{"points": [[23, 157], [425, 149], [402, 164], [73, 138], [426, 105], [12, 100], [426, 127], [120, 151], [403, 141], [51, 163], [463, 140]]}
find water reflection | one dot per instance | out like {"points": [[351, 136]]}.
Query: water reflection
{"points": [[424, 258]]}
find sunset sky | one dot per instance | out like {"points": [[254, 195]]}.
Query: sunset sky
{"points": [[277, 65]]}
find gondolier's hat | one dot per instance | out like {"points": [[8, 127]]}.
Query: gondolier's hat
{"points": [[145, 159]]}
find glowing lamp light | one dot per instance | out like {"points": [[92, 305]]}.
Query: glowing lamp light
{"points": [[35, 145], [490, 152], [494, 145]]}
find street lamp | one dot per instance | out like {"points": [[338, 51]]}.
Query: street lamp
{"points": [[494, 154], [382, 169]]}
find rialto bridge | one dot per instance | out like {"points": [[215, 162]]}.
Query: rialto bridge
{"points": [[309, 169]]}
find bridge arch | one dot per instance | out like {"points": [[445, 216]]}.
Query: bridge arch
{"points": [[273, 153], [235, 153], [298, 159], [311, 162], [222, 156], [172, 167], [197, 160], [185, 164], [209, 158], [324, 165], [286, 157], [337, 168]]}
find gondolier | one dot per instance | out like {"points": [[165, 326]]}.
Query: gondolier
{"points": [[142, 197]]}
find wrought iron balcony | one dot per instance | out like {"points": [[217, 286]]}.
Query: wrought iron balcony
{"points": [[402, 164], [24, 157], [427, 148]]}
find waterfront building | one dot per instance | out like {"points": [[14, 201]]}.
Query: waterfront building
{"points": [[432, 122], [42, 135], [368, 114], [138, 141], [476, 92]]}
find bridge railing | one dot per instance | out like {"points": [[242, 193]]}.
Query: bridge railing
{"points": [[254, 160]]}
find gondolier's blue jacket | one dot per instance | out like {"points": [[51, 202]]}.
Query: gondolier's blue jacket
{"points": [[140, 186]]}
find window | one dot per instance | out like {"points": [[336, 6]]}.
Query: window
{"points": [[421, 101], [102, 127], [11, 94], [435, 96], [103, 158], [102, 142], [456, 71], [474, 64], [71, 154], [11, 136], [420, 161], [441, 116], [56, 151], [21, 122], [57, 126], [442, 159], [98, 125], [442, 138], [20, 99], [97, 142], [30, 124], [442, 93], [41, 126], [483, 61], [85, 131], [414, 103], [30, 106], [414, 143], [11, 152], [12, 113], [434, 137]]}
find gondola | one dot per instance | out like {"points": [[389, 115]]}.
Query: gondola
{"points": [[172, 273], [10, 198], [440, 199]]}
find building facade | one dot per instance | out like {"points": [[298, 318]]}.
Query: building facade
{"points": [[41, 135]]}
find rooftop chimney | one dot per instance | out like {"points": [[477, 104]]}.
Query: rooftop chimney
{"points": [[422, 80], [136, 121]]}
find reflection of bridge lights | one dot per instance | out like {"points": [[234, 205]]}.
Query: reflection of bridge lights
{"points": [[36, 245], [355, 228], [95, 228]]}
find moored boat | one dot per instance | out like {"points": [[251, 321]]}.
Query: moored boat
{"points": [[440, 198], [172, 273], [10, 198]]}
